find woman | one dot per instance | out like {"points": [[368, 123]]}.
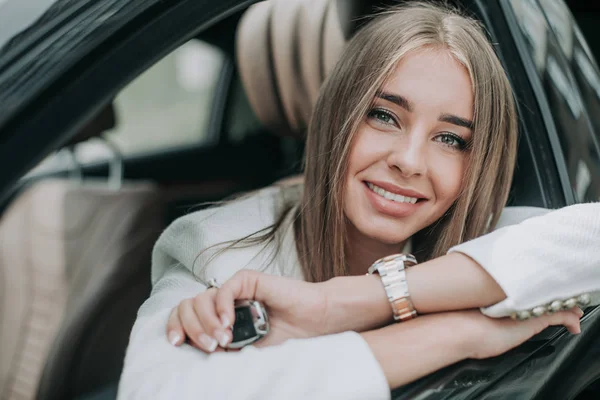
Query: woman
{"points": [[411, 147]]}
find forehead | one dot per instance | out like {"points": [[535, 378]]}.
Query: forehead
{"points": [[432, 79]]}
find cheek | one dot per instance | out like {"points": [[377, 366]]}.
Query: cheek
{"points": [[367, 149], [447, 177], [359, 152]]}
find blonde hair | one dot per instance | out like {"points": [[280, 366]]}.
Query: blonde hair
{"points": [[347, 95]]}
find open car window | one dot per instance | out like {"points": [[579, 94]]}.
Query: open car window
{"points": [[167, 106]]}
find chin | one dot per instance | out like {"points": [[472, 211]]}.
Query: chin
{"points": [[386, 232]]}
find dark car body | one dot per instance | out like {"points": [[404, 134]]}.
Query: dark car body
{"points": [[61, 61]]}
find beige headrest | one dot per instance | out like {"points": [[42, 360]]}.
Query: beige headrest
{"points": [[285, 48]]}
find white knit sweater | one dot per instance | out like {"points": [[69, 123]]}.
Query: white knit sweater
{"points": [[538, 256]]}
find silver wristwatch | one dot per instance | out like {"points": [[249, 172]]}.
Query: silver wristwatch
{"points": [[391, 269]]}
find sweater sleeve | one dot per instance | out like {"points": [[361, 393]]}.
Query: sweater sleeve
{"points": [[543, 256], [339, 366]]}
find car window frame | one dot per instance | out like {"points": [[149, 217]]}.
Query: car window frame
{"points": [[97, 79]]}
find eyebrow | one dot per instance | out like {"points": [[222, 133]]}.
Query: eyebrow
{"points": [[408, 106], [396, 99], [453, 119]]}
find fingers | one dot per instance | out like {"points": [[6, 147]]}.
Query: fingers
{"points": [[569, 319], [193, 328], [204, 308], [574, 325], [175, 333], [578, 311], [243, 285], [207, 318]]}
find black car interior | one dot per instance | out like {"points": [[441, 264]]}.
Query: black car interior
{"points": [[91, 243]]}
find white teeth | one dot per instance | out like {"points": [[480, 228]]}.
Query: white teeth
{"points": [[391, 196]]}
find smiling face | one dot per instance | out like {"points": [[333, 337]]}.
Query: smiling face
{"points": [[382, 126], [410, 152]]}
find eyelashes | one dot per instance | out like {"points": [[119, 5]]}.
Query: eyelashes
{"points": [[383, 116], [452, 140], [389, 119]]}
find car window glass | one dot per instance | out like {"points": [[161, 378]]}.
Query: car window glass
{"points": [[167, 106], [587, 76], [549, 32]]}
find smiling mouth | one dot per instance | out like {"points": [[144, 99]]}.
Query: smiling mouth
{"points": [[398, 198]]}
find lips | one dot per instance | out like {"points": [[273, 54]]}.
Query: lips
{"points": [[392, 188], [397, 203], [392, 196]]}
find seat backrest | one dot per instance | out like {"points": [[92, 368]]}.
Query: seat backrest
{"points": [[284, 50], [74, 269]]}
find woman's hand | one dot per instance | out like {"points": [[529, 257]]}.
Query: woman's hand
{"points": [[296, 309], [437, 340], [494, 336]]}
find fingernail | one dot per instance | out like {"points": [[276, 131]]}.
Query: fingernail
{"points": [[174, 338], [225, 322], [580, 312], [208, 343], [222, 337]]}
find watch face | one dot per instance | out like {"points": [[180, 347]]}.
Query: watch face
{"points": [[243, 328]]}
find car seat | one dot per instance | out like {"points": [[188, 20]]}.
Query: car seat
{"points": [[74, 269]]}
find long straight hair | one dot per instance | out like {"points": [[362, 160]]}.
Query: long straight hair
{"points": [[344, 100]]}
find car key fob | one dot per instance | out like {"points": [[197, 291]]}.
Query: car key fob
{"points": [[251, 323]]}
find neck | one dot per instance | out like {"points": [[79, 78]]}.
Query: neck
{"points": [[362, 251]]}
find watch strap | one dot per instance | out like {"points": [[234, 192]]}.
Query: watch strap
{"points": [[391, 270]]}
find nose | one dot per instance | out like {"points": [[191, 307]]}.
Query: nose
{"points": [[409, 156]]}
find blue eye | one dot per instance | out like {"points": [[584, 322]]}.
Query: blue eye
{"points": [[452, 140], [382, 116]]}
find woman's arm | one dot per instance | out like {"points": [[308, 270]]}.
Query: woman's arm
{"points": [[448, 283], [541, 259], [411, 350]]}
